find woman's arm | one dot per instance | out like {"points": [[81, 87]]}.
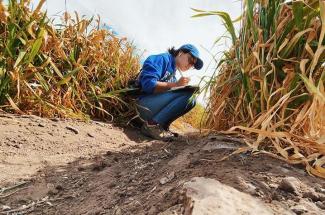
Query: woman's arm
{"points": [[164, 86]]}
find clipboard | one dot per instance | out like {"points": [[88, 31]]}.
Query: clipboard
{"points": [[186, 87]]}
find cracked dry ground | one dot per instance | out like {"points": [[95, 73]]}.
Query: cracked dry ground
{"points": [[72, 167]]}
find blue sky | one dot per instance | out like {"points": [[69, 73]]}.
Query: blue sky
{"points": [[155, 25]]}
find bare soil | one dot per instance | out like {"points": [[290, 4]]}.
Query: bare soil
{"points": [[53, 166]]}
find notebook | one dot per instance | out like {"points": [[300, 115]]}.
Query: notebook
{"points": [[186, 87]]}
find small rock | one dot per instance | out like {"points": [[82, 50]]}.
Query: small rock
{"points": [[211, 197], [168, 178], [130, 188], [51, 189], [320, 190], [246, 186], [90, 135], [299, 209], [290, 184], [118, 211], [194, 162], [99, 165], [218, 145], [41, 125], [311, 195], [251, 189], [81, 168], [76, 131], [273, 186], [55, 119], [6, 208], [52, 192], [111, 185], [321, 205], [16, 146], [321, 197], [277, 196], [59, 187], [265, 185], [305, 206]]}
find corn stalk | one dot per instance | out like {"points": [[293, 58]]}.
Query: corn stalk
{"points": [[75, 69], [270, 84]]}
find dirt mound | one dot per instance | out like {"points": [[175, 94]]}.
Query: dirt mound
{"points": [[132, 175]]}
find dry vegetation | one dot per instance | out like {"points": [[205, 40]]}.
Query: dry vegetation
{"points": [[270, 84], [193, 118], [75, 69]]}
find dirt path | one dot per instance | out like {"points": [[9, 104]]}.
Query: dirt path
{"points": [[96, 168], [30, 143]]}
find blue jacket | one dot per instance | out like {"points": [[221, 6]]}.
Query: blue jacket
{"points": [[160, 67]]}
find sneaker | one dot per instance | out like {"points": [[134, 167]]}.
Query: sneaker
{"points": [[155, 132], [173, 133]]}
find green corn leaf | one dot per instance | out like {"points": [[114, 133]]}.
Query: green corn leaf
{"points": [[36, 46], [20, 58], [311, 87], [298, 12], [66, 78], [291, 45], [228, 23]]}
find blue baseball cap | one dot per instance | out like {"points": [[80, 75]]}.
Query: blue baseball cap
{"points": [[195, 53]]}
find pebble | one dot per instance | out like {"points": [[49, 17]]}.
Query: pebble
{"points": [[76, 131], [249, 188], [299, 209], [118, 211], [311, 195], [90, 135], [290, 184], [321, 205], [51, 189], [167, 179], [321, 190], [6, 208]]}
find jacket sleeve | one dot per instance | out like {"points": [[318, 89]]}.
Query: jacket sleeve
{"points": [[151, 72]]}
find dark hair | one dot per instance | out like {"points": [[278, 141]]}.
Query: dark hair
{"points": [[174, 52]]}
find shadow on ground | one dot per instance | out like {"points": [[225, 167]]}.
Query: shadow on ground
{"points": [[147, 178]]}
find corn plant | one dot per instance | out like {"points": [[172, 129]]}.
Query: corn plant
{"points": [[270, 83], [75, 69]]}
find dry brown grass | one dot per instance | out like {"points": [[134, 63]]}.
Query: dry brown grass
{"points": [[270, 84], [194, 118]]}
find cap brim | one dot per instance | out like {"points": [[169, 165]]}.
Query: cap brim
{"points": [[199, 64]]}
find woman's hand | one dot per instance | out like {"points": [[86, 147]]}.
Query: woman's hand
{"points": [[164, 86], [183, 81]]}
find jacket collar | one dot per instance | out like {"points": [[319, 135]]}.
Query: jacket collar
{"points": [[172, 64]]}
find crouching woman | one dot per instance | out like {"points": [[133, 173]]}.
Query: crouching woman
{"points": [[158, 106]]}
